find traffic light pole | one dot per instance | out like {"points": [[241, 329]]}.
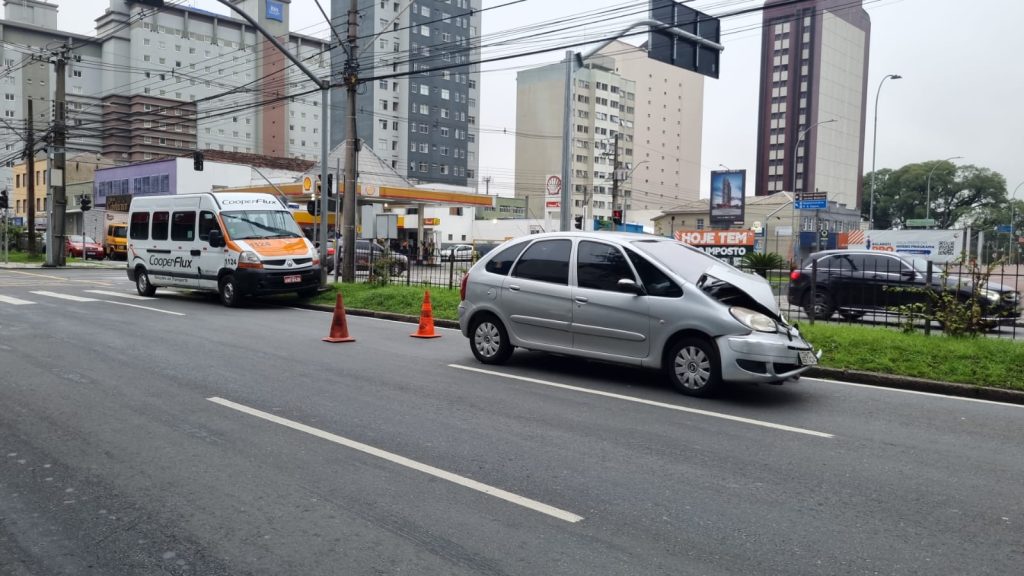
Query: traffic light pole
{"points": [[615, 179]]}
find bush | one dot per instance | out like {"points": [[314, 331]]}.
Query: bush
{"points": [[762, 263], [959, 317]]}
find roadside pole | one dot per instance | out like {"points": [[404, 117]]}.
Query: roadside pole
{"points": [[348, 273], [30, 175]]}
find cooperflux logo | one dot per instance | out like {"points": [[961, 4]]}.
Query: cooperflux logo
{"points": [[176, 262]]}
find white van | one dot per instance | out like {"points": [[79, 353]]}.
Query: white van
{"points": [[235, 244]]}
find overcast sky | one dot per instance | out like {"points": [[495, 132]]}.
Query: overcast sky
{"points": [[961, 94]]}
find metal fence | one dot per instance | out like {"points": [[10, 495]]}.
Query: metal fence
{"points": [[397, 268], [886, 294]]}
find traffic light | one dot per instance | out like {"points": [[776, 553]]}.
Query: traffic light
{"points": [[318, 186], [86, 203], [330, 185], [617, 217], [313, 207], [3, 200], [579, 222], [197, 161]]}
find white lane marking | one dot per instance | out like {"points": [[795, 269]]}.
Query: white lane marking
{"points": [[37, 275], [120, 294], [403, 461], [143, 307], [14, 301], [63, 296], [652, 403], [917, 392]]}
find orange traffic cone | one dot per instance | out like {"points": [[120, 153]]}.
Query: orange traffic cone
{"points": [[426, 329], [339, 325]]}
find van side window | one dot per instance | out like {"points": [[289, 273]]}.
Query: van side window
{"points": [[140, 226], [545, 261], [207, 222], [655, 281], [183, 226], [502, 262], [601, 266], [160, 224]]}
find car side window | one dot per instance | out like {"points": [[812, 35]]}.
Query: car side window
{"points": [[601, 266], [545, 261], [183, 226], [881, 265], [656, 283], [160, 225], [207, 222], [502, 261]]}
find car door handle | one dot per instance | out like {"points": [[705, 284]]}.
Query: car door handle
{"points": [[513, 287], [582, 299], [196, 252]]}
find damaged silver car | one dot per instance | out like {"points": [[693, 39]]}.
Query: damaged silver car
{"points": [[630, 299]]}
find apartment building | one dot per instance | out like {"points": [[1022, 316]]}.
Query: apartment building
{"points": [[421, 113], [814, 69]]}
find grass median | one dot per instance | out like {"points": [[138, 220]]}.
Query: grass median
{"points": [[979, 361]]}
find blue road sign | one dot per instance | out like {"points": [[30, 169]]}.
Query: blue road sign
{"points": [[1004, 228], [811, 204]]}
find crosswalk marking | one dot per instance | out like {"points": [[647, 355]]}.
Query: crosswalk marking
{"points": [[63, 296], [120, 294], [14, 301]]}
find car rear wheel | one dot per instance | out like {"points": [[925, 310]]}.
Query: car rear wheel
{"points": [[851, 315], [229, 295], [142, 285], [822, 308], [489, 340], [693, 367]]}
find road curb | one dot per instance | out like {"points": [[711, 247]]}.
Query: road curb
{"points": [[918, 385], [381, 315]]}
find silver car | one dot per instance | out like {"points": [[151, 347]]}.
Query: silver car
{"points": [[632, 299]]}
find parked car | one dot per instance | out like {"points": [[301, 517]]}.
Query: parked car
{"points": [[633, 299], [459, 253], [365, 256], [855, 282], [79, 246]]}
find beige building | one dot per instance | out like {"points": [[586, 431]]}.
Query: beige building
{"points": [[79, 168], [657, 110], [668, 123]]}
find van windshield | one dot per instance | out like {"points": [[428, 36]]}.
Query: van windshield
{"points": [[254, 224]]}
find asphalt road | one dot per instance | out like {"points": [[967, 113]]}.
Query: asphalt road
{"points": [[177, 436]]}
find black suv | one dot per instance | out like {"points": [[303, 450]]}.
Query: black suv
{"points": [[853, 282]]}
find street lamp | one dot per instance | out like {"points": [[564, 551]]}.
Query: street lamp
{"points": [[796, 148], [874, 148], [726, 167], [928, 202], [1013, 214]]}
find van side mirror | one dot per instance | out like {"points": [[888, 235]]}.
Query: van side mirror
{"points": [[216, 238], [627, 285]]}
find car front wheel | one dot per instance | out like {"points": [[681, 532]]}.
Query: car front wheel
{"points": [[693, 367], [822, 308], [489, 340]]}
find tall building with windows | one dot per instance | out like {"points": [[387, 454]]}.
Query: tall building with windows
{"points": [[657, 109], [161, 82], [421, 112], [814, 69]]}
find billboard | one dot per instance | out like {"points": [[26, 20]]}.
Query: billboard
{"points": [[728, 189], [728, 245], [934, 245]]}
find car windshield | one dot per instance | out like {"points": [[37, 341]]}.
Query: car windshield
{"points": [[684, 260], [255, 224], [78, 239], [119, 231]]}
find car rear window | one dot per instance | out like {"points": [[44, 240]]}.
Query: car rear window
{"points": [[502, 262], [545, 261]]}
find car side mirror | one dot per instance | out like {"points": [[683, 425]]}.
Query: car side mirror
{"points": [[216, 238], [627, 285]]}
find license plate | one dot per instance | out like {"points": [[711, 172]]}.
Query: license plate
{"points": [[807, 358], [293, 279]]}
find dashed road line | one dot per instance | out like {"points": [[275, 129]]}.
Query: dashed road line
{"points": [[14, 301], [71, 297], [678, 408], [406, 462], [120, 294]]}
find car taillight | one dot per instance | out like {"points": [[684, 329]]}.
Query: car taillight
{"points": [[462, 286], [794, 275]]}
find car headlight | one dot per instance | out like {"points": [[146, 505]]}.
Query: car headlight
{"points": [[753, 320], [990, 295], [248, 259]]}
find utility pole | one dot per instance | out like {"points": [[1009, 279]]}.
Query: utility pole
{"points": [[487, 185], [348, 271], [58, 196], [30, 175], [615, 178]]}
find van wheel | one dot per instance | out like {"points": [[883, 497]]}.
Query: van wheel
{"points": [[489, 340], [229, 295], [142, 285], [693, 367]]}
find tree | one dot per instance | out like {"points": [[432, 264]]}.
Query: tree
{"points": [[960, 195]]}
